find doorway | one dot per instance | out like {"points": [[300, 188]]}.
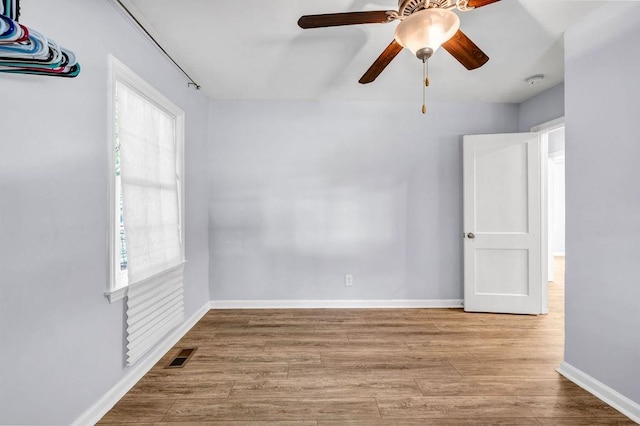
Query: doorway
{"points": [[512, 224], [552, 136]]}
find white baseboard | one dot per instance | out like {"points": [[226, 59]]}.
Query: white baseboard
{"points": [[323, 304], [612, 397], [136, 372]]}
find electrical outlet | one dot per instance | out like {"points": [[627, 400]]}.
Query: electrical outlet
{"points": [[348, 280]]}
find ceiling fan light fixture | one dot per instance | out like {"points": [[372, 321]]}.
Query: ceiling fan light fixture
{"points": [[425, 31]]}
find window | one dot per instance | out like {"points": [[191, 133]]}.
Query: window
{"points": [[146, 143]]}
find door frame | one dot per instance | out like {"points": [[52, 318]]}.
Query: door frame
{"points": [[544, 129]]}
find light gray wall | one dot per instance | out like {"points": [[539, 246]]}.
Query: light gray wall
{"points": [[603, 197], [541, 108], [61, 342], [303, 193]]}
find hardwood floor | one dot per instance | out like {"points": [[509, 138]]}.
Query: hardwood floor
{"points": [[368, 367]]}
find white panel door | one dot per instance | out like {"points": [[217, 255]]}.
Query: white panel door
{"points": [[502, 223]]}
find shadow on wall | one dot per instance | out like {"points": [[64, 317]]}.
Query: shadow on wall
{"points": [[311, 219], [299, 241]]}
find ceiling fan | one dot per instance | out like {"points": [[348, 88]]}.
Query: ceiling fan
{"points": [[424, 26]]}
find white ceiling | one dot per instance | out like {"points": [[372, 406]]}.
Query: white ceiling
{"points": [[255, 50]]}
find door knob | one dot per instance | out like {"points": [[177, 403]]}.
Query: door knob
{"points": [[471, 235]]}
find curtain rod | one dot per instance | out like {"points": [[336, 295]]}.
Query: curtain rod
{"points": [[191, 81]]}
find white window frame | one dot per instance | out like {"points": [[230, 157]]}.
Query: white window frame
{"points": [[120, 73]]}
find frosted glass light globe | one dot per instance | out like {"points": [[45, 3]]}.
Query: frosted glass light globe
{"points": [[424, 32]]}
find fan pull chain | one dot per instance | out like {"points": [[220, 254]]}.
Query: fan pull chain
{"points": [[425, 78]]}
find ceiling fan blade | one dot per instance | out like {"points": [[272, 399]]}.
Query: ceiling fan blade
{"points": [[381, 63], [348, 18], [480, 3], [465, 51]]}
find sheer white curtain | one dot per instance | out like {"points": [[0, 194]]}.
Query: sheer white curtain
{"points": [[151, 210]]}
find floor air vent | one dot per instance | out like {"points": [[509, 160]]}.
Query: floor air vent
{"points": [[181, 359]]}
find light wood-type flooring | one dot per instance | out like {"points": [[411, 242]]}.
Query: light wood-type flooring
{"points": [[361, 367]]}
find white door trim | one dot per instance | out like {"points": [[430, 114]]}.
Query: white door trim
{"points": [[550, 125], [544, 222]]}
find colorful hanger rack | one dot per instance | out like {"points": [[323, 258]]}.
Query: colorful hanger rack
{"points": [[26, 51]]}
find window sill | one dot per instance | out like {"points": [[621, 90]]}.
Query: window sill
{"points": [[117, 294], [121, 293]]}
